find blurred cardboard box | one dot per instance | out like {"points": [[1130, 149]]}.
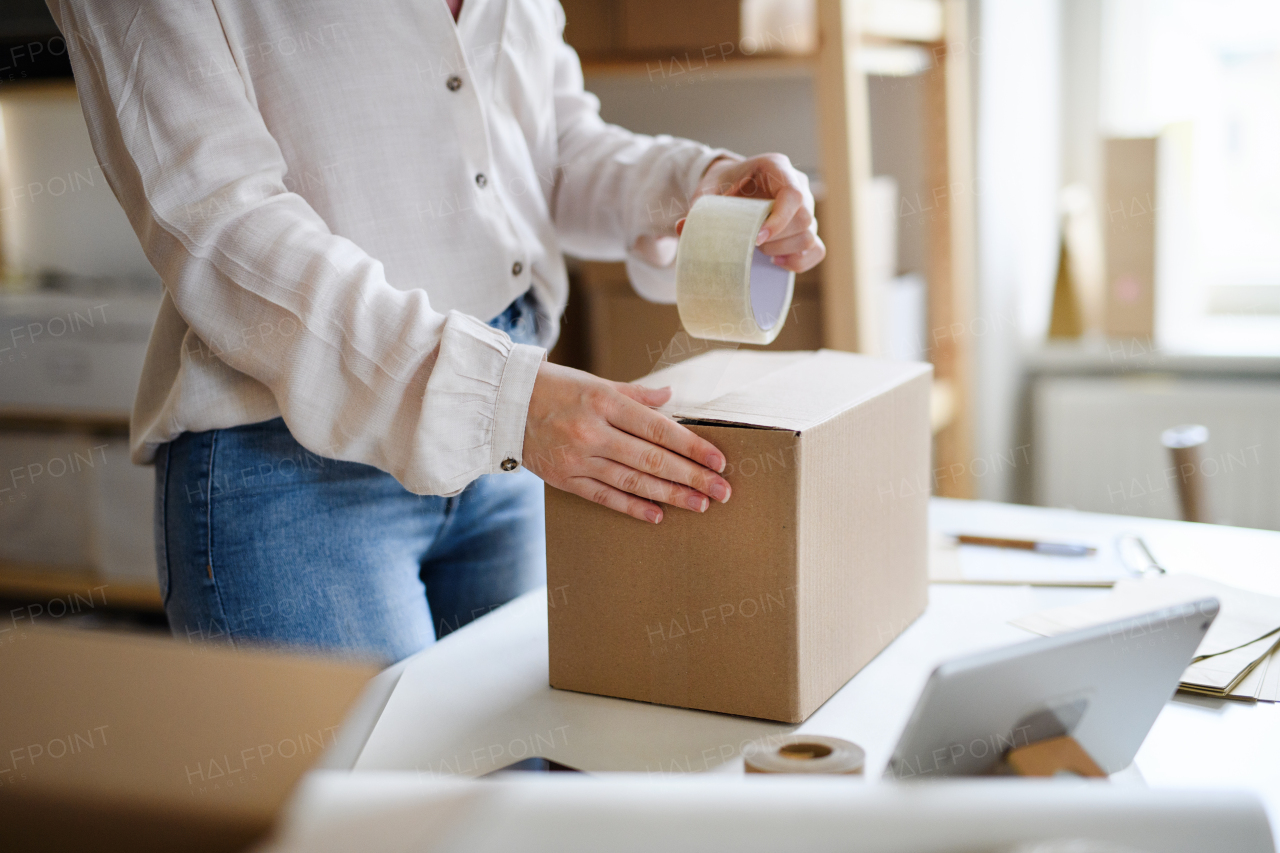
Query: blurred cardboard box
{"points": [[115, 742], [73, 353], [1130, 235], [766, 605], [73, 501], [598, 28], [591, 26], [690, 36], [124, 542], [46, 486], [624, 336], [707, 29]]}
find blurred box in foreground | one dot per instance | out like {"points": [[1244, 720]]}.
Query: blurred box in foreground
{"points": [[132, 743]]}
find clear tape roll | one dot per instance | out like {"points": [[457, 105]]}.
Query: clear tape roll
{"points": [[726, 288], [804, 754]]}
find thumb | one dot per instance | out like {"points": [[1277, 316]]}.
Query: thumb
{"points": [[645, 396]]}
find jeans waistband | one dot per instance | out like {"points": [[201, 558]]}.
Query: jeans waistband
{"points": [[522, 320]]}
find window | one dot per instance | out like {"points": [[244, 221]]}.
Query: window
{"points": [[1205, 78]]}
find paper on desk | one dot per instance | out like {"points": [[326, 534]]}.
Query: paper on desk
{"points": [[1239, 671], [953, 563], [1262, 679], [1245, 620], [1269, 679]]}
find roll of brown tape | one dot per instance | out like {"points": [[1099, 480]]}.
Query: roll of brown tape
{"points": [[804, 754]]}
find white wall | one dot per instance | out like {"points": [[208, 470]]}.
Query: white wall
{"points": [[1018, 167], [1081, 93]]}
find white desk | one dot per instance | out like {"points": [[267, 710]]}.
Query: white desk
{"points": [[479, 699]]}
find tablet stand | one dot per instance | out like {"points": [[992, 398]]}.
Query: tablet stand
{"points": [[1052, 756]]}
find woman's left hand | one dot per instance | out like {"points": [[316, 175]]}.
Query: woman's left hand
{"points": [[790, 234]]}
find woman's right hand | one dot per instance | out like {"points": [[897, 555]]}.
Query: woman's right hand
{"points": [[602, 441]]}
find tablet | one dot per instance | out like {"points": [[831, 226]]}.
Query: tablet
{"points": [[1102, 685]]}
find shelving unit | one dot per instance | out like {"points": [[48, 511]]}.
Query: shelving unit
{"points": [[53, 420], [850, 302], [738, 67], [27, 582], [42, 584], [856, 38]]}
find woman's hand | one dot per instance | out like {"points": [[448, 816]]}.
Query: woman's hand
{"points": [[790, 234], [600, 440]]}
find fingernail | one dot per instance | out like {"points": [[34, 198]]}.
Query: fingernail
{"points": [[716, 463], [698, 503], [653, 515], [762, 236], [720, 492]]}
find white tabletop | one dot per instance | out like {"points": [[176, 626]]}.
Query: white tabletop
{"points": [[479, 699]]}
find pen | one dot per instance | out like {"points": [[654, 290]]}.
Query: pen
{"points": [[1057, 549]]}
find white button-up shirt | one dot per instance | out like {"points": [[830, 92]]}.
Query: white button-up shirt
{"points": [[338, 195]]}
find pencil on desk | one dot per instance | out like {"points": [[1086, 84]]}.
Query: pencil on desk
{"points": [[1057, 549]]}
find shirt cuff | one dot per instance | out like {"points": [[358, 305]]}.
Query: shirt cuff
{"points": [[699, 167], [653, 283], [511, 410], [658, 283]]}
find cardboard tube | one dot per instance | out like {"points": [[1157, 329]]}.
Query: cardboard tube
{"points": [[1185, 444], [804, 754], [726, 288]]}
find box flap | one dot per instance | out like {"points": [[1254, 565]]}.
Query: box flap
{"points": [[778, 390], [698, 380]]}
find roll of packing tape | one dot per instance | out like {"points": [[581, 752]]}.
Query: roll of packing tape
{"points": [[804, 754], [726, 288]]}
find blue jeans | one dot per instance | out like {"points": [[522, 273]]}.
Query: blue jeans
{"points": [[258, 540]]}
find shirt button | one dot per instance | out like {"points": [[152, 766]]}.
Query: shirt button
{"points": [[517, 268], [481, 180], [454, 83], [510, 464]]}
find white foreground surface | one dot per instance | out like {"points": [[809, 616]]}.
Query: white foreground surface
{"points": [[479, 700], [567, 812]]}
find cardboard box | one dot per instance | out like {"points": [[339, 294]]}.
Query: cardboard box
{"points": [[72, 501], [46, 480], [624, 336], [655, 26], [114, 742], [666, 28], [123, 512], [1130, 228], [73, 354], [766, 605], [590, 26]]}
